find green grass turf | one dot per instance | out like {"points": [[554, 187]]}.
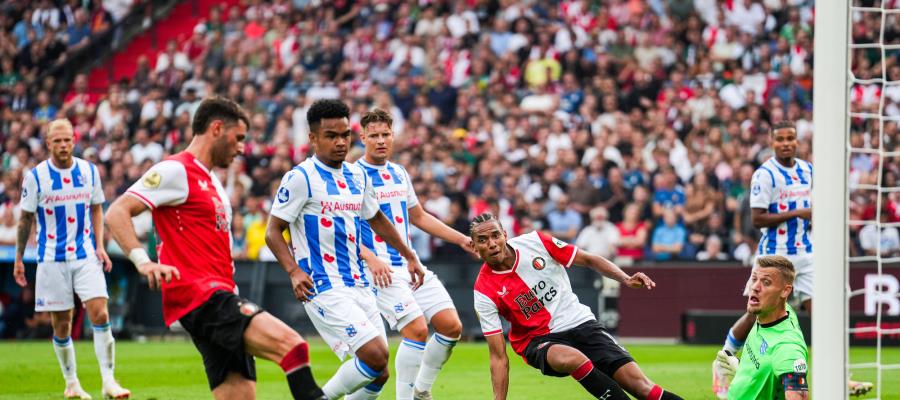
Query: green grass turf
{"points": [[173, 370]]}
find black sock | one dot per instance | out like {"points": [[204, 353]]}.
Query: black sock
{"points": [[303, 385], [602, 386], [670, 396]]}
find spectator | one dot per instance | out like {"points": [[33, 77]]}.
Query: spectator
{"points": [[712, 250], [668, 238], [146, 149], [79, 33], [701, 200], [172, 58], [601, 237], [668, 195], [564, 221], [632, 235], [888, 240]]}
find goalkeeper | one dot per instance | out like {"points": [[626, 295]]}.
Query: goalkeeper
{"points": [[774, 360]]}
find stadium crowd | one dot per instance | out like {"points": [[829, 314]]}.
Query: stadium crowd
{"points": [[631, 127]]}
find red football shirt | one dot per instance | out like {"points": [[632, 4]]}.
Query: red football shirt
{"points": [[192, 215], [535, 296]]}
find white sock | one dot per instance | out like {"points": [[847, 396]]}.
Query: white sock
{"points": [[351, 376], [105, 349], [406, 366], [437, 352], [368, 392], [65, 353], [732, 344]]}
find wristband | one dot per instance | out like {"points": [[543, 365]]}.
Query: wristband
{"points": [[139, 257]]}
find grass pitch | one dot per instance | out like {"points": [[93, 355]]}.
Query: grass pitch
{"points": [[173, 370]]}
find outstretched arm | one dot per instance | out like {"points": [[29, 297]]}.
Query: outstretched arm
{"points": [[383, 227], [435, 227], [499, 365], [607, 268]]}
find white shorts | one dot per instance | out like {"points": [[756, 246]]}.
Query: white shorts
{"points": [[347, 318], [803, 281], [400, 305], [56, 284]]}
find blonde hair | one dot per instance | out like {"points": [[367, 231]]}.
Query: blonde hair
{"points": [[784, 266], [60, 123]]}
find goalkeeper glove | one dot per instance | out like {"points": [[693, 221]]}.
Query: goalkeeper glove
{"points": [[726, 365]]}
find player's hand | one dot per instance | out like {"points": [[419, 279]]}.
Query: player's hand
{"points": [[469, 246], [19, 273], [416, 273], [381, 272], [726, 365], [105, 262], [640, 280], [302, 284], [157, 273]]}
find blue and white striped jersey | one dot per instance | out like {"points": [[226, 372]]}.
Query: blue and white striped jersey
{"points": [[326, 208], [61, 200], [395, 194], [779, 189]]}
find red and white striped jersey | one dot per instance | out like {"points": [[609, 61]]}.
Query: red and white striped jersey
{"points": [[535, 296]]}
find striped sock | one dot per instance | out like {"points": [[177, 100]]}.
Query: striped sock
{"points": [[368, 392], [437, 352], [65, 353], [406, 365], [351, 376]]}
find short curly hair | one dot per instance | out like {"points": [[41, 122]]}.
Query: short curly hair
{"points": [[325, 109], [783, 124]]}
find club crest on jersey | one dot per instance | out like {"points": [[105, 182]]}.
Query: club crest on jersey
{"points": [[152, 180], [756, 189], [283, 195], [204, 185], [763, 347], [351, 330], [538, 263]]}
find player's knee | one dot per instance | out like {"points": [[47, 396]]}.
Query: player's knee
{"points": [[99, 317], [451, 329], [287, 340], [376, 357], [416, 330]]}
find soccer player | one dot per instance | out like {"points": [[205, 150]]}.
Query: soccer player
{"points": [[780, 201], [64, 193], [324, 202], [192, 215], [417, 363], [774, 361], [524, 280]]}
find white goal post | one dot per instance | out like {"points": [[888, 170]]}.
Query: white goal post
{"points": [[830, 118]]}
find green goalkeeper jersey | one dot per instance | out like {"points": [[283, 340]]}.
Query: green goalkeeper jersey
{"points": [[770, 351]]}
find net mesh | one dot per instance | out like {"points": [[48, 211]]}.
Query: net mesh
{"points": [[873, 164]]}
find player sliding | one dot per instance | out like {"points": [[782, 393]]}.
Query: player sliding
{"points": [[524, 280], [417, 363], [192, 215], [780, 201], [324, 202], [774, 362], [64, 193]]}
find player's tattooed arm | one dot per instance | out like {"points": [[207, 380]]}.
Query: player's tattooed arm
{"points": [[499, 366], [25, 223]]}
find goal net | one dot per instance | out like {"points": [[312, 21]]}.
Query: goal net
{"points": [[856, 114]]}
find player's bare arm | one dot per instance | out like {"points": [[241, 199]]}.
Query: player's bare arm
{"points": [[499, 365], [435, 227], [381, 272], [25, 223], [97, 222], [383, 227], [607, 268], [118, 219], [761, 218], [301, 282]]}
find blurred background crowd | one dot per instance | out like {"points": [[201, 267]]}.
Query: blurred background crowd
{"points": [[630, 127]]}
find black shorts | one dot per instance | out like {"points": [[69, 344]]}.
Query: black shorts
{"points": [[590, 338], [217, 329]]}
